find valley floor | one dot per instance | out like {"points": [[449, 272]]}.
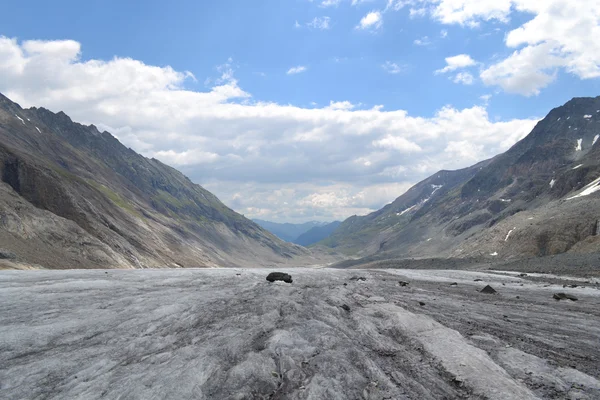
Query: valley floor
{"points": [[230, 334]]}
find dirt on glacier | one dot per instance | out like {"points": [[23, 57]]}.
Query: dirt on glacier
{"points": [[230, 334]]}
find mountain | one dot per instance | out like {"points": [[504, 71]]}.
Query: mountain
{"points": [[72, 196], [317, 233], [535, 199], [287, 231]]}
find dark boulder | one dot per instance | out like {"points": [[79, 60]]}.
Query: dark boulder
{"points": [[564, 296], [403, 283], [358, 278], [279, 276], [488, 290]]}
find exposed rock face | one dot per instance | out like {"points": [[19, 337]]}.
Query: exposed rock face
{"points": [[541, 197], [72, 196]]}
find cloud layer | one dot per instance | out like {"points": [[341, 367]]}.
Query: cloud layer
{"points": [[558, 35], [268, 160]]}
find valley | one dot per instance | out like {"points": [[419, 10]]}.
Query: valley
{"points": [[332, 333]]}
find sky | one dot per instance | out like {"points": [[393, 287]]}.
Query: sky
{"points": [[298, 110]]}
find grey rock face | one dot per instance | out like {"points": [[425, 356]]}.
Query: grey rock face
{"points": [[129, 211]]}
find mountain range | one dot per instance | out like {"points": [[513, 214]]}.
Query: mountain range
{"points": [[535, 199], [72, 196], [304, 234]]}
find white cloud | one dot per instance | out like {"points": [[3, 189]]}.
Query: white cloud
{"points": [[400, 144], [232, 143], [296, 70], [557, 35], [424, 41], [372, 20], [457, 62], [340, 105], [392, 68], [443, 34], [463, 77], [330, 3], [321, 23]]}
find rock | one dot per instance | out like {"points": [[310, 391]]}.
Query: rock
{"points": [[477, 280], [403, 283], [345, 307], [7, 255], [279, 276], [518, 297], [488, 289], [421, 303], [522, 274], [454, 284], [564, 296], [358, 278]]}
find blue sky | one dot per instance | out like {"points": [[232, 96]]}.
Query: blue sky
{"points": [[309, 145]]}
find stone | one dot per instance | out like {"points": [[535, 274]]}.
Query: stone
{"points": [[564, 296], [403, 283], [279, 276], [488, 290]]}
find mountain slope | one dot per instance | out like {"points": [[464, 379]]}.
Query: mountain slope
{"points": [[287, 231], [528, 191], [317, 234], [72, 196]]}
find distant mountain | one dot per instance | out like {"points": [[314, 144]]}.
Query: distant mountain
{"points": [[316, 234], [541, 197], [72, 196], [287, 231]]}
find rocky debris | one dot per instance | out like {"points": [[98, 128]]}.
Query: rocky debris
{"points": [[358, 278], [454, 284], [564, 296], [279, 276], [421, 303], [7, 255], [345, 307], [477, 280], [403, 283], [488, 290], [522, 275]]}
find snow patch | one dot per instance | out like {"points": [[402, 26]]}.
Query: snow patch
{"points": [[530, 218], [505, 200], [587, 116], [589, 189], [28, 120], [405, 211], [508, 234], [569, 117], [558, 119], [578, 148], [595, 139], [38, 129], [552, 182], [578, 166], [429, 240], [20, 119], [494, 254]]}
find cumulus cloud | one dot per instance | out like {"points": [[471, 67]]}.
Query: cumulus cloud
{"points": [[280, 162], [557, 35], [296, 70], [372, 20], [463, 77], [457, 62]]}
